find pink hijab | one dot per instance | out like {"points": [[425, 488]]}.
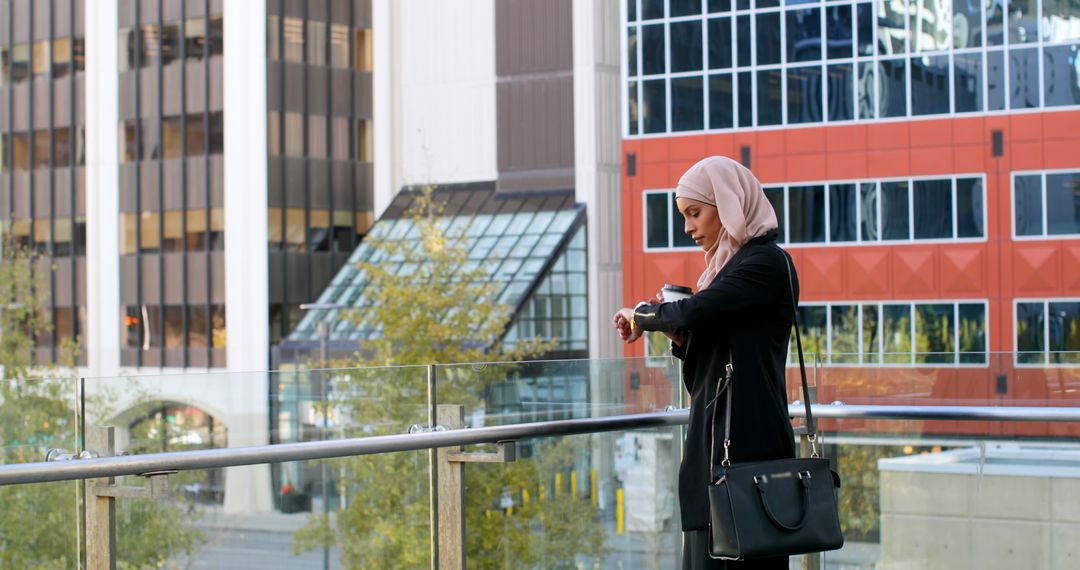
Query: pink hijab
{"points": [[745, 212]]}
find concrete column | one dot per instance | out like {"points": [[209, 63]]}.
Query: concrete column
{"points": [[386, 113], [247, 301], [102, 188], [597, 162]]}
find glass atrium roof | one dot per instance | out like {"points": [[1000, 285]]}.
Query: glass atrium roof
{"points": [[516, 241]]}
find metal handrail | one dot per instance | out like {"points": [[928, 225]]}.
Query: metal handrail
{"points": [[76, 469]]}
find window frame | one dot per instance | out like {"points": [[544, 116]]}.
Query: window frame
{"points": [[862, 360], [1043, 236], [1045, 302]]}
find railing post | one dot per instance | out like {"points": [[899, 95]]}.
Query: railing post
{"points": [[451, 488], [100, 510]]}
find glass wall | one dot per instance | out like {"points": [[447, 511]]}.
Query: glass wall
{"points": [[718, 64], [42, 154], [1048, 332], [1046, 204], [172, 228]]}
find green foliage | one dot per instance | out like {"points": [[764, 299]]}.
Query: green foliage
{"points": [[442, 312], [39, 523]]}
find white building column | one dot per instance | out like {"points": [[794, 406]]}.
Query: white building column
{"points": [[247, 294], [102, 188], [386, 114], [597, 162]]}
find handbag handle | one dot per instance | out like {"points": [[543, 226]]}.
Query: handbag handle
{"points": [[762, 485], [811, 427]]}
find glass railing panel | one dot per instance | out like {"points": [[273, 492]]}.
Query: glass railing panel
{"points": [[213, 514], [913, 497], [38, 523], [519, 392], [590, 501]]}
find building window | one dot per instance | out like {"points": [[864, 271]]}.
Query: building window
{"points": [[854, 212], [892, 333], [1046, 204], [663, 222], [800, 62], [1048, 332]]}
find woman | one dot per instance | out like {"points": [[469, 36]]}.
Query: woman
{"points": [[743, 311]]}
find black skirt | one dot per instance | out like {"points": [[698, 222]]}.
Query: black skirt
{"points": [[696, 556]]}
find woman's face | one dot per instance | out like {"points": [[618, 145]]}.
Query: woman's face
{"points": [[702, 222]]}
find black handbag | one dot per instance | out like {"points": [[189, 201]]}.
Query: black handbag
{"points": [[772, 508]]}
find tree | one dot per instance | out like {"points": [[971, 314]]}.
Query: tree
{"points": [[441, 311], [39, 523]]}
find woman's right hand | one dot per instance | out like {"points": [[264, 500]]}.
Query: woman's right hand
{"points": [[623, 322]]}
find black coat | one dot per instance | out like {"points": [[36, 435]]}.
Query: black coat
{"points": [[745, 312]]}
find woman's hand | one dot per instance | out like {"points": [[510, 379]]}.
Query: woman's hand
{"points": [[623, 322]]}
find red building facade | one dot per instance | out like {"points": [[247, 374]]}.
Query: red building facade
{"points": [[938, 245]]}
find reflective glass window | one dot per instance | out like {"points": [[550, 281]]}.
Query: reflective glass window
{"points": [[928, 28], [1023, 21], [687, 104], [1030, 333], [293, 36], [864, 28], [720, 43], [1061, 75], [1063, 203], [844, 334], [652, 49], [683, 7], [652, 107], [995, 23], [894, 210], [631, 51], [768, 38], [746, 99], [775, 194], [871, 334], [967, 24], [841, 85], [719, 5], [721, 89], [803, 34], [812, 327], [769, 102], [892, 88], [866, 85], [896, 333], [686, 49], [934, 325], [1024, 78], [631, 10], [656, 219], [933, 212], [969, 207], [839, 38], [890, 28], [929, 85], [652, 9], [1063, 324], [868, 215], [842, 212], [742, 40], [806, 222], [972, 332], [1060, 20], [632, 107], [995, 80], [967, 82], [339, 46], [1027, 204], [804, 94], [679, 238]]}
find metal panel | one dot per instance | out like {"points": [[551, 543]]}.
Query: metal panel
{"points": [[535, 125], [174, 278], [196, 279], [533, 36]]}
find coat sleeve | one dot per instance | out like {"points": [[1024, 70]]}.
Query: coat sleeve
{"points": [[753, 282]]}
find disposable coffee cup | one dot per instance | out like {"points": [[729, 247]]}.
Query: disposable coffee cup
{"points": [[676, 292]]}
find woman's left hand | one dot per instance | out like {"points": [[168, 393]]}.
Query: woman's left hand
{"points": [[623, 322]]}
